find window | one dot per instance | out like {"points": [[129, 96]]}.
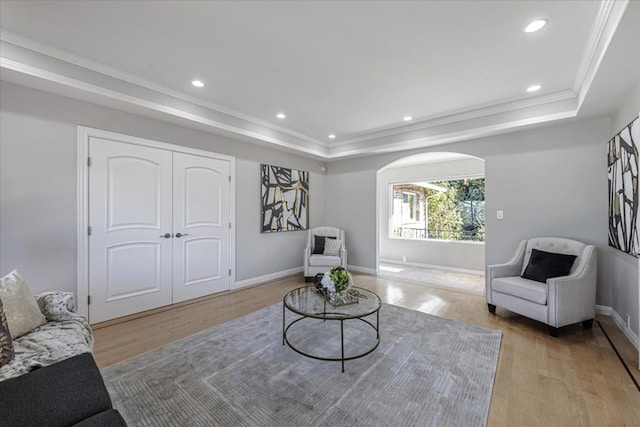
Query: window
{"points": [[443, 210]]}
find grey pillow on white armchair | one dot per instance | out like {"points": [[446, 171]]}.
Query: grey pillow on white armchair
{"points": [[332, 247]]}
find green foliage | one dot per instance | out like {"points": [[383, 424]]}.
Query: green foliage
{"points": [[340, 278], [445, 221], [467, 189], [471, 205], [459, 209]]}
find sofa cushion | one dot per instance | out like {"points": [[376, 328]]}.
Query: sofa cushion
{"points": [[110, 418], [324, 260], [521, 288], [20, 307], [6, 344], [58, 395], [544, 265]]}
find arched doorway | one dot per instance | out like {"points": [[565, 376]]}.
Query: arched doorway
{"points": [[431, 220]]}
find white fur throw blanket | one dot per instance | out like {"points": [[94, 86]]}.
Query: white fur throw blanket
{"points": [[65, 334]]}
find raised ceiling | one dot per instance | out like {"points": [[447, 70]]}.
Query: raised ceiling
{"points": [[353, 69]]}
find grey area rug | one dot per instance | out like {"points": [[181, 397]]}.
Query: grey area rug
{"points": [[427, 371]]}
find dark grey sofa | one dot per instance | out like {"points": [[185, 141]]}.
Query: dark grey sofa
{"points": [[68, 393]]}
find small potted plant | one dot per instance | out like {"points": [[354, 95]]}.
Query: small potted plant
{"points": [[334, 286], [341, 279]]}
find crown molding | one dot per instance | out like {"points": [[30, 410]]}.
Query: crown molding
{"points": [[46, 75], [451, 136], [460, 115], [455, 128], [603, 29], [98, 67]]}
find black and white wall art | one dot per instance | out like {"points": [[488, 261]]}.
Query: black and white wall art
{"points": [[622, 160], [285, 199]]}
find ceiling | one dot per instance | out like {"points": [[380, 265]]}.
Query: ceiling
{"points": [[460, 69]]}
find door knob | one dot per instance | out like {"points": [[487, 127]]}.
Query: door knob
{"points": [[166, 235], [179, 235]]}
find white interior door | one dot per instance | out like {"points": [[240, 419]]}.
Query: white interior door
{"points": [[201, 215], [130, 204]]}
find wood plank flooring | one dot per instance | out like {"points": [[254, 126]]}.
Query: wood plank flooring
{"points": [[573, 380]]}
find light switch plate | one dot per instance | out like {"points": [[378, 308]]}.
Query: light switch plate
{"points": [[500, 215]]}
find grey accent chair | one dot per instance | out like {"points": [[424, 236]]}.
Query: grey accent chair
{"points": [[320, 263], [560, 301]]}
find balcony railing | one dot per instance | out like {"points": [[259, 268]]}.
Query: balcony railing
{"points": [[421, 233]]}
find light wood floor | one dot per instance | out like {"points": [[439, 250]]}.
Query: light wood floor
{"points": [[574, 380]]}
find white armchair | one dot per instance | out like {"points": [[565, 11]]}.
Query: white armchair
{"points": [[316, 258], [560, 301]]}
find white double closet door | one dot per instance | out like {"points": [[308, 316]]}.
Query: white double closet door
{"points": [[160, 230]]}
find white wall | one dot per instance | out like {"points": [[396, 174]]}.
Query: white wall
{"points": [[351, 205], [465, 255], [549, 181], [264, 253], [622, 271], [549, 192], [38, 134]]}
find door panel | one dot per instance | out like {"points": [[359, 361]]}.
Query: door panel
{"points": [[130, 205], [201, 214], [132, 269], [133, 203], [198, 210], [198, 257]]}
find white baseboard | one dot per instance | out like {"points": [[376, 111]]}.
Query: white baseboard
{"points": [[622, 325], [359, 269], [432, 266], [267, 277], [284, 273]]}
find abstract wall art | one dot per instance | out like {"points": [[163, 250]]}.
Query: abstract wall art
{"points": [[285, 199], [622, 160]]}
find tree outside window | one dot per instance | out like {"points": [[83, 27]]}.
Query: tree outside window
{"points": [[443, 210]]}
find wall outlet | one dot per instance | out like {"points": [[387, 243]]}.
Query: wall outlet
{"points": [[628, 321], [500, 215], [404, 258]]}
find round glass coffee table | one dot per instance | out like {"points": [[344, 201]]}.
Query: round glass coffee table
{"points": [[306, 302]]}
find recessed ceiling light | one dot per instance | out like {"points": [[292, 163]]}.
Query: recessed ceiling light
{"points": [[407, 118], [332, 136], [197, 83], [533, 88], [281, 115], [536, 25]]}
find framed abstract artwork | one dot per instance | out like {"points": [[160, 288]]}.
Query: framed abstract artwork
{"points": [[285, 199], [622, 161]]}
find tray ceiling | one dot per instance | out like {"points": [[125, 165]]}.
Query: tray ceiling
{"points": [[353, 69]]}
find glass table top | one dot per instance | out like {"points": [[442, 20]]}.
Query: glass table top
{"points": [[306, 302]]}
